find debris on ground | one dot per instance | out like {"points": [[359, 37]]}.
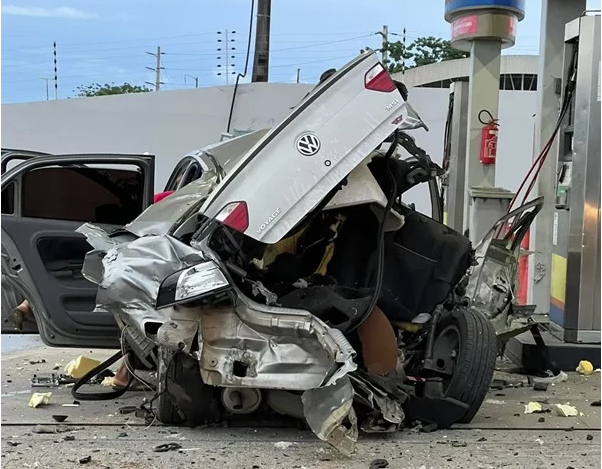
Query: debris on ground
{"points": [[589, 437], [495, 402], [533, 408], [80, 366], [565, 410], [85, 460], [595, 404], [585, 368], [127, 409], [68, 438], [122, 435], [13, 443], [541, 419], [539, 440], [42, 429], [164, 448], [429, 427], [379, 464], [39, 398], [559, 378], [459, 444], [45, 381], [36, 362], [283, 444], [108, 382], [59, 418], [538, 386], [57, 366]]}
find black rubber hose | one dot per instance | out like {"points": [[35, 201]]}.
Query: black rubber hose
{"points": [[99, 396], [381, 240]]}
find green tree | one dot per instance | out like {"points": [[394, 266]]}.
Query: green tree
{"points": [[430, 50], [422, 51], [106, 89]]}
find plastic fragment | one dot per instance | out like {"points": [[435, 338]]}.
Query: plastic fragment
{"points": [[559, 378], [585, 368], [283, 444], [533, 408], [495, 402], [39, 398], [565, 410], [80, 366], [108, 382]]}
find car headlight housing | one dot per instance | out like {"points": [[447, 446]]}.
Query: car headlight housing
{"points": [[192, 284]]}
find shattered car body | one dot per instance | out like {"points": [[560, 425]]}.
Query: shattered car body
{"points": [[493, 283], [292, 266]]}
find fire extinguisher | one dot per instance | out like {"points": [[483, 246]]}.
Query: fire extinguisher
{"points": [[489, 132]]}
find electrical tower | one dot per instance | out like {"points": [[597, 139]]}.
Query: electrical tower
{"points": [[226, 50], [157, 69]]}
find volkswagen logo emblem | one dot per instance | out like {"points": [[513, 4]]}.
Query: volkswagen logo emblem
{"points": [[308, 144]]}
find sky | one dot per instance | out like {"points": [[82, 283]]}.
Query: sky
{"points": [[107, 41]]}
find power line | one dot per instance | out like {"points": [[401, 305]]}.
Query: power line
{"points": [[154, 39]]}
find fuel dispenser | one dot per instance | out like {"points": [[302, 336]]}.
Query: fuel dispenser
{"points": [[575, 273]]}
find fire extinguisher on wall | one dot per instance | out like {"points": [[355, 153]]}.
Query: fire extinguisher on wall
{"points": [[489, 133]]}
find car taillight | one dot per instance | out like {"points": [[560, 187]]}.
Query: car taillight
{"points": [[378, 79], [235, 215]]}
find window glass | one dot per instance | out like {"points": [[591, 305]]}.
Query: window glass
{"points": [[177, 175], [97, 195], [8, 199]]}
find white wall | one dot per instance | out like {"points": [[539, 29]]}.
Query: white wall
{"points": [[169, 124]]}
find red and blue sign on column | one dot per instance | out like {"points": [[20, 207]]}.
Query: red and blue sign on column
{"points": [[453, 7], [483, 19]]}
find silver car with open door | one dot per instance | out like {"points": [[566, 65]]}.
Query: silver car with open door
{"points": [[291, 277]]}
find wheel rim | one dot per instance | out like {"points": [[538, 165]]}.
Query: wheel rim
{"points": [[446, 351]]}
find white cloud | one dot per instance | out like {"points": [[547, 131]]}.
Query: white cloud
{"points": [[39, 12]]}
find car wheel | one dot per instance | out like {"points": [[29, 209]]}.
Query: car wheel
{"points": [[169, 363], [467, 341], [182, 394]]}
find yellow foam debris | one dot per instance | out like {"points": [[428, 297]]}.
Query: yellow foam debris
{"points": [[39, 398], [533, 408], [80, 366], [585, 368], [108, 382], [565, 410]]}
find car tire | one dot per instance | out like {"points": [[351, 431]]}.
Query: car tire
{"points": [[183, 397], [475, 361], [167, 373]]}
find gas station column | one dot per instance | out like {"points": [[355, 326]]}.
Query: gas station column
{"points": [[483, 28]]}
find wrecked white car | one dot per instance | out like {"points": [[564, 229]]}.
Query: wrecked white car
{"points": [[292, 276]]}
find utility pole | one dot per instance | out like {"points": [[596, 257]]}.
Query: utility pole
{"points": [[56, 77], [157, 69], [385, 45], [298, 74], [46, 79], [196, 80], [227, 51], [403, 59], [261, 61]]}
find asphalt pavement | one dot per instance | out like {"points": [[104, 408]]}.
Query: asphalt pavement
{"points": [[96, 435]]}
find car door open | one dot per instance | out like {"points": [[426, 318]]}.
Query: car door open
{"points": [[44, 200]]}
